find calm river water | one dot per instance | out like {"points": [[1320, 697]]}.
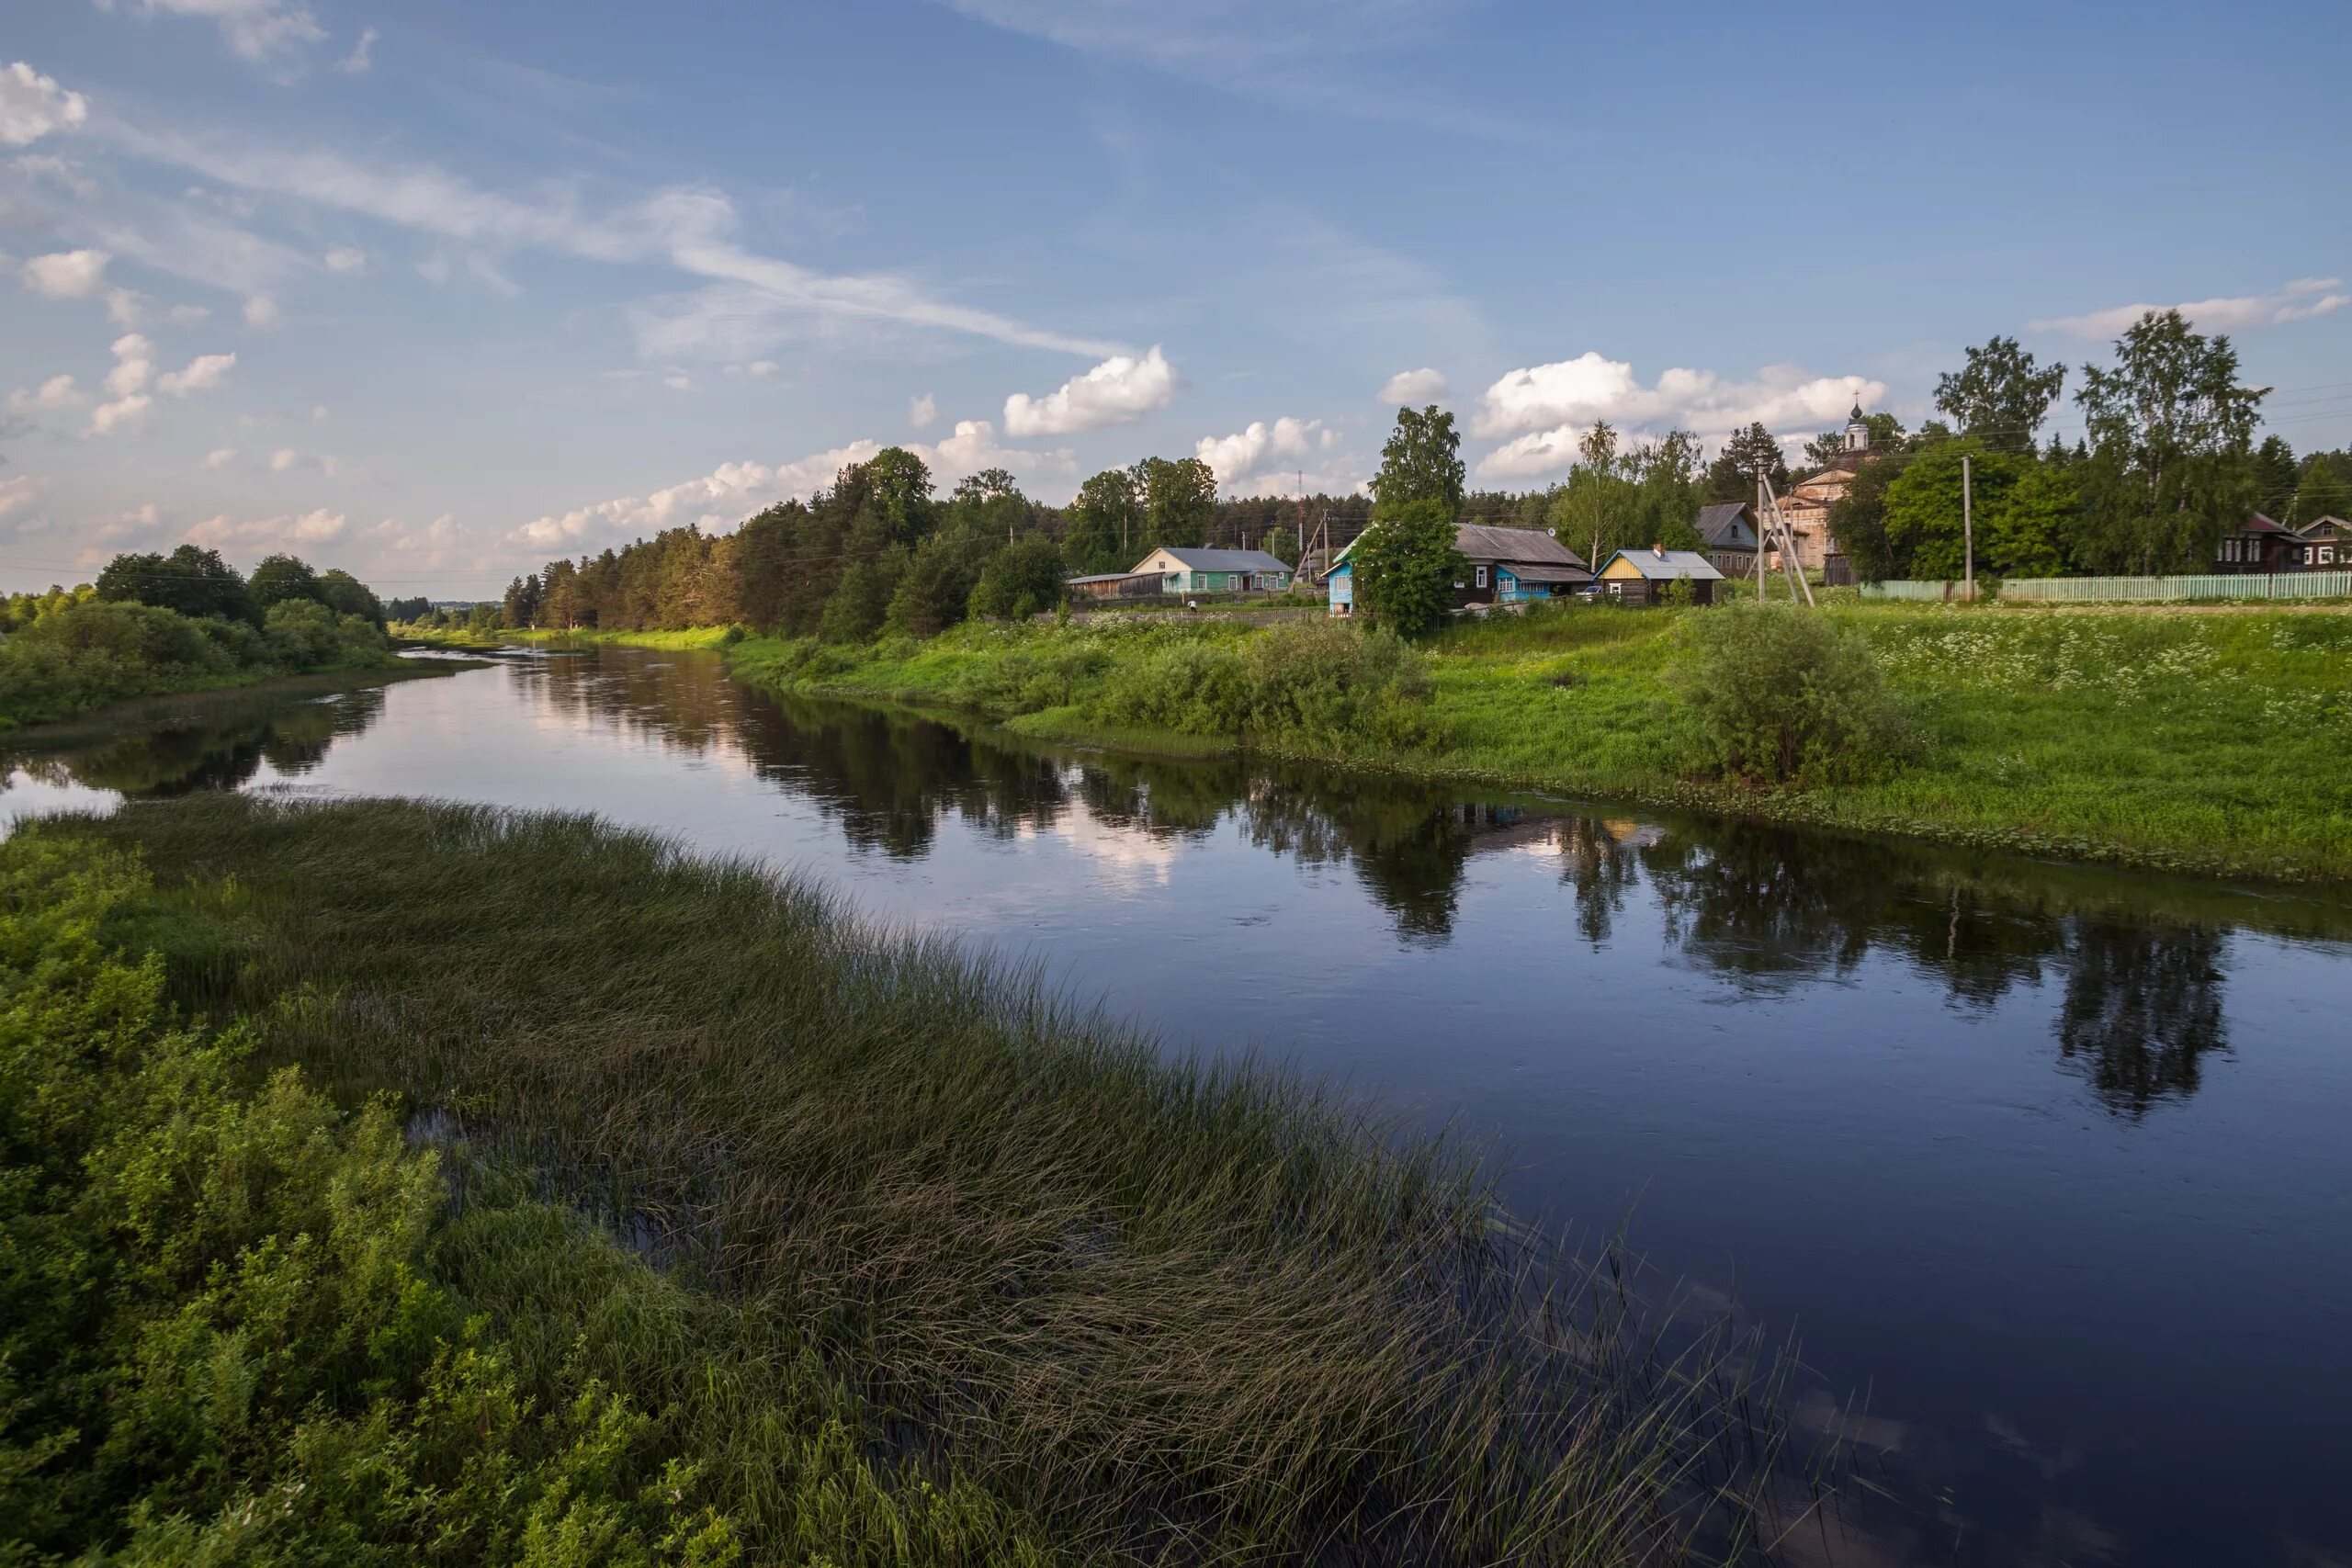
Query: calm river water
{"points": [[2050, 1168]]}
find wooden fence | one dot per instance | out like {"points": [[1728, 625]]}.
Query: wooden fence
{"points": [[2134, 590]]}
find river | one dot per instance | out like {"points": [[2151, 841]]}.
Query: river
{"points": [[2049, 1168]]}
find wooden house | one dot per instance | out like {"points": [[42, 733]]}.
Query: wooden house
{"points": [[2326, 545], [1185, 570], [1642, 577], [1729, 537], [2259, 544], [1115, 585], [1506, 566]]}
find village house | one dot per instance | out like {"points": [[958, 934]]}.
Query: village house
{"points": [[2326, 545], [1186, 570], [1115, 585], [1642, 577], [1507, 566], [1727, 537], [2259, 544]]}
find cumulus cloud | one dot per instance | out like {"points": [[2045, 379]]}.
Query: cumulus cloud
{"points": [[264, 534], [974, 446], [345, 258], [358, 61], [21, 492], [1241, 458], [922, 412], [2296, 301], [219, 457], [134, 363], [57, 392], [284, 460], [203, 374], [261, 313], [1121, 389], [1422, 386], [65, 274], [123, 414], [254, 30], [32, 105], [1547, 409]]}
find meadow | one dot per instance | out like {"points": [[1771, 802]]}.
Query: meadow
{"points": [[389, 1179], [2205, 741]]}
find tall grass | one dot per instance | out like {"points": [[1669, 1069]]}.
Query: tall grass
{"points": [[1165, 1310]]}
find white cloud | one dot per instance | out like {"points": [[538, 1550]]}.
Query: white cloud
{"points": [[1244, 455], [720, 499], [126, 307], [65, 274], [1422, 386], [134, 362], [121, 414], [358, 61], [686, 225], [20, 491], [219, 457], [974, 446], [284, 460], [203, 374], [32, 105], [1547, 409], [57, 392], [261, 313], [188, 315], [1121, 389], [758, 369], [922, 412], [345, 258], [254, 30], [2298, 301], [262, 535], [64, 173]]}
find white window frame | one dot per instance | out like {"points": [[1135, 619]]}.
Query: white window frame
{"points": [[1481, 574]]}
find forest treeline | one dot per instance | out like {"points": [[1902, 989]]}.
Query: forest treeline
{"points": [[2167, 460]]}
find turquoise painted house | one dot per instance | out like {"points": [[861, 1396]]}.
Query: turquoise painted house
{"points": [[1506, 566], [1186, 570]]}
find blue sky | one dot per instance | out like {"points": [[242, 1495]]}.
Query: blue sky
{"points": [[436, 289]]}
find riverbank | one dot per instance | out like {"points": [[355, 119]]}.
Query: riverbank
{"points": [[2210, 744], [195, 706], [941, 1266]]}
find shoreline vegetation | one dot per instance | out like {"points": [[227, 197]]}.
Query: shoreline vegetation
{"points": [[426, 1176], [2207, 743]]}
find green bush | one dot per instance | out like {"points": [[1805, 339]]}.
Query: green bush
{"points": [[303, 634], [1776, 694]]}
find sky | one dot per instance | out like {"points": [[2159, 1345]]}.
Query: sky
{"points": [[436, 289]]}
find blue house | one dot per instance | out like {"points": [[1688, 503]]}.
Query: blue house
{"points": [[1507, 566]]}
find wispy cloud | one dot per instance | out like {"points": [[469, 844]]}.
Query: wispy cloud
{"points": [[358, 63], [2296, 301], [254, 30]]}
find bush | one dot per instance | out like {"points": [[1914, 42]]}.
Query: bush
{"points": [[305, 635], [1776, 694]]}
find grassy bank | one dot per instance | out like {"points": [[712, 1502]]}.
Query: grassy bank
{"points": [[943, 1270], [690, 637], [2211, 742], [171, 712]]}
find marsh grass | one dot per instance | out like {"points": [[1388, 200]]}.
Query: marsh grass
{"points": [[1157, 1310]]}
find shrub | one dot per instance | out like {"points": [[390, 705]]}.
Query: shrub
{"points": [[1199, 686], [305, 635], [1776, 694]]}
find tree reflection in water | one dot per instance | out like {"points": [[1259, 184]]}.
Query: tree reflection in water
{"points": [[219, 745], [2141, 1011]]}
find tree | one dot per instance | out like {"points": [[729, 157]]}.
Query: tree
{"points": [[1407, 564], [1885, 435], [414, 609], [1857, 522], [1020, 580], [191, 581], [2001, 395], [898, 490], [928, 600], [1179, 499], [347, 595], [2320, 493], [280, 577], [1422, 461], [1104, 521], [2024, 511], [2171, 437], [1282, 544], [855, 612], [1748, 454]]}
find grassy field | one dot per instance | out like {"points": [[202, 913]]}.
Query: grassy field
{"points": [[757, 1231], [2207, 741]]}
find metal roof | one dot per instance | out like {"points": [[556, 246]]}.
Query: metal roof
{"points": [[1663, 565], [1478, 541], [1195, 559], [1726, 526], [1527, 572], [1108, 576]]}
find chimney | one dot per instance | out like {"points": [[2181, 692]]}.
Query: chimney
{"points": [[1659, 550]]}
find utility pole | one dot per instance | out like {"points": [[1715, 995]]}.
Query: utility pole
{"points": [[1967, 533]]}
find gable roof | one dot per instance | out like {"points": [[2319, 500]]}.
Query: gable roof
{"points": [[1544, 572], [1194, 559], [1662, 566], [2258, 524], [1724, 525], [2331, 523], [1480, 542]]}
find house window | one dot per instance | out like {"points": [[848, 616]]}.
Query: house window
{"points": [[1482, 577]]}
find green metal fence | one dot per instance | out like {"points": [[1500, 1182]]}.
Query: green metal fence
{"points": [[2134, 590]]}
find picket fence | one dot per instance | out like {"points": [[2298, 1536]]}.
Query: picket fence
{"points": [[2135, 590]]}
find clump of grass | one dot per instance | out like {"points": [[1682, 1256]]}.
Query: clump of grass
{"points": [[1162, 1310]]}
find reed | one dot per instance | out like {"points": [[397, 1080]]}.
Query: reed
{"points": [[1149, 1309]]}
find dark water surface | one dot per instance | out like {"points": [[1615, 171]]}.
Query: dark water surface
{"points": [[2052, 1167]]}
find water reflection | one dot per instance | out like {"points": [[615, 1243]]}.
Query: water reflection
{"points": [[212, 746]]}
